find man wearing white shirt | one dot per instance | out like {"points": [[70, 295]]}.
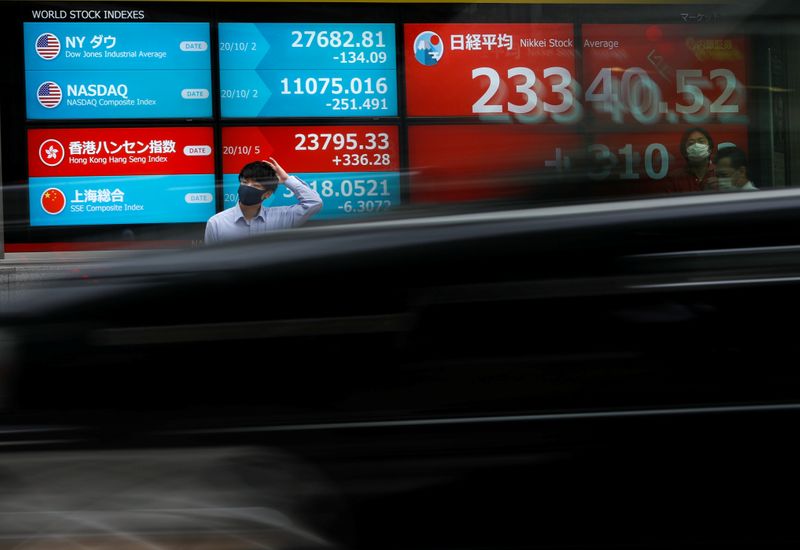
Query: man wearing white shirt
{"points": [[257, 182], [731, 168]]}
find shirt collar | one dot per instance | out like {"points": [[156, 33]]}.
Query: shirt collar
{"points": [[710, 171], [238, 215]]}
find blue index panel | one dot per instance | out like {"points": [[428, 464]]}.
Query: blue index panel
{"points": [[308, 93], [307, 70], [116, 46], [54, 95], [124, 199], [343, 193], [342, 46]]}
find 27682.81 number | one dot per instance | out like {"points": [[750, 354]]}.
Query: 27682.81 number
{"points": [[337, 39]]}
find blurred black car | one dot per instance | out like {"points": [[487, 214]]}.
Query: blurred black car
{"points": [[603, 375]]}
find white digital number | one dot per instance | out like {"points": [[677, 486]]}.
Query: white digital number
{"points": [[372, 141], [634, 91], [526, 88], [648, 161], [730, 86], [561, 88], [482, 105], [629, 174], [688, 80], [603, 79], [608, 100], [605, 162], [312, 142]]}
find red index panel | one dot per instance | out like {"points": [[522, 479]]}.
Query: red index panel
{"points": [[120, 151], [640, 163], [313, 148], [651, 74], [510, 69], [473, 162]]}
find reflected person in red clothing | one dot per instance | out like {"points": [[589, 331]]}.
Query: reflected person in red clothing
{"points": [[698, 174]]}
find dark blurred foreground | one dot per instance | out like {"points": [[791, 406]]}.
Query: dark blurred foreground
{"points": [[597, 376]]}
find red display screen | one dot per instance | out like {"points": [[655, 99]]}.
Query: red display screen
{"points": [[491, 110], [651, 74], [313, 148], [471, 162], [120, 151], [642, 162], [520, 70]]}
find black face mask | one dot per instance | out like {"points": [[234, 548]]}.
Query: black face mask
{"points": [[250, 196]]}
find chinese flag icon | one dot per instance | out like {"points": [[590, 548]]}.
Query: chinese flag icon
{"points": [[53, 201]]}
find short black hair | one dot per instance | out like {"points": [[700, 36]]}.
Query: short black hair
{"points": [[260, 172], [690, 131], [737, 156]]}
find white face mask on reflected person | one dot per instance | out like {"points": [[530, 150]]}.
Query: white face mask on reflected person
{"points": [[698, 151], [725, 183]]}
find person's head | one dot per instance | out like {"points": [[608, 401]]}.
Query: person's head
{"points": [[696, 145], [257, 182], [731, 167]]}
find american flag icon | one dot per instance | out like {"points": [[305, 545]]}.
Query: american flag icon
{"points": [[49, 95], [47, 45]]}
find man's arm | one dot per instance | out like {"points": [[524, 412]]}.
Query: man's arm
{"points": [[309, 201], [211, 232]]}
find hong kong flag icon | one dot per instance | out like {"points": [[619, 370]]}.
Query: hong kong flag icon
{"points": [[53, 201]]}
